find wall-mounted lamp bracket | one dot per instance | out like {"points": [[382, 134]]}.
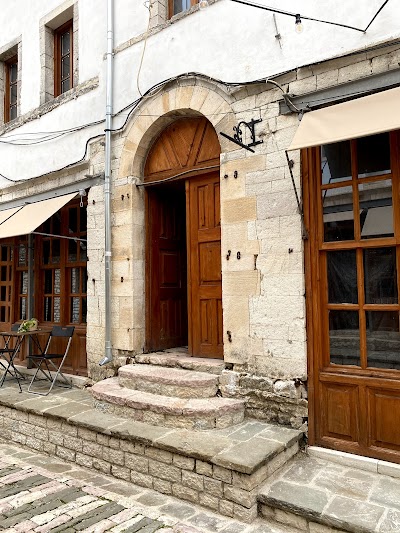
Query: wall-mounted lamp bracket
{"points": [[251, 127]]}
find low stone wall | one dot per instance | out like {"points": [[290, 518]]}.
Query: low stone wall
{"points": [[132, 458], [272, 400]]}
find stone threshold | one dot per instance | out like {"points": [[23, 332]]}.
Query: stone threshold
{"points": [[316, 495], [355, 461], [218, 469]]}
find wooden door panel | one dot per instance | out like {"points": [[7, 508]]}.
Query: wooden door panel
{"points": [[205, 267], [340, 411], [166, 277], [384, 416]]}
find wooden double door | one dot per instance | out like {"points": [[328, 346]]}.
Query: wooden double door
{"points": [[183, 274], [352, 211]]}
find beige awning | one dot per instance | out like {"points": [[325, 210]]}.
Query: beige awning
{"points": [[364, 116], [24, 220]]}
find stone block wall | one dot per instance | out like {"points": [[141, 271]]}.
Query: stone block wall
{"points": [[224, 490]]}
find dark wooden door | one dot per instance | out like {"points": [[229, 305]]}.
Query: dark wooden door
{"points": [[204, 259], [351, 194], [167, 263]]}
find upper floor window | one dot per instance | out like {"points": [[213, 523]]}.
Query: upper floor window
{"points": [[11, 89], [178, 6], [63, 59]]}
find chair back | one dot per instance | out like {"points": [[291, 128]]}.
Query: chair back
{"points": [[60, 331]]}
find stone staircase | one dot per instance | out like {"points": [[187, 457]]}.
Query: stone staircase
{"points": [[169, 389]]}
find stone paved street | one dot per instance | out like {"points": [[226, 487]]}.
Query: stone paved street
{"points": [[45, 494]]}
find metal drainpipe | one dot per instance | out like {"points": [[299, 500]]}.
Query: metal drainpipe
{"points": [[107, 179]]}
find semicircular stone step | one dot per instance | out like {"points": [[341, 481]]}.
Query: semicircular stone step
{"points": [[174, 382], [197, 413]]}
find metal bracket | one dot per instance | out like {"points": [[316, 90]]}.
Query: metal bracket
{"points": [[238, 135]]}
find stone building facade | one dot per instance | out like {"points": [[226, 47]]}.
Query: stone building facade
{"points": [[264, 279]]}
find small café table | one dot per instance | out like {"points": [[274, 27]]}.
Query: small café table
{"points": [[8, 353]]}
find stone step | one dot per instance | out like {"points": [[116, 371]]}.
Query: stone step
{"points": [[174, 382], [318, 495], [197, 413], [180, 359]]}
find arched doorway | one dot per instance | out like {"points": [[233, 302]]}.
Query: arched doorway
{"points": [[183, 259]]}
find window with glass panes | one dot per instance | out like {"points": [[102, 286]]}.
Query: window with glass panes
{"points": [[11, 89], [63, 59], [63, 267], [6, 282]]}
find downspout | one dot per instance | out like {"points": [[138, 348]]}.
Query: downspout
{"points": [[107, 179]]}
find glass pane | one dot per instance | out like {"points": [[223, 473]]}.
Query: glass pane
{"points": [[9, 294], [65, 86], [13, 72], [376, 211], [342, 277], [75, 305], [65, 67], [13, 94], [73, 220], [84, 310], [47, 309], [83, 248], [2, 314], [75, 285], [336, 162], [56, 221], [48, 281], [57, 306], [3, 273], [373, 155], [181, 5], [338, 214], [72, 250], [65, 43], [84, 280], [55, 258], [22, 308], [57, 281], [3, 293], [22, 258], [46, 252], [4, 253], [383, 339], [83, 219], [13, 112], [380, 276], [24, 282], [344, 338]]}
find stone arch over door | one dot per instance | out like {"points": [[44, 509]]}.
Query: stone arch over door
{"points": [[183, 230]]}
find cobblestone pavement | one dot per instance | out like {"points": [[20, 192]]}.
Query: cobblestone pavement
{"points": [[44, 494]]}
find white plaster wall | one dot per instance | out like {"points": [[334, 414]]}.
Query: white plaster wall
{"points": [[227, 41]]}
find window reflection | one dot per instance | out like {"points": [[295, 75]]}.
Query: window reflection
{"points": [[338, 214], [383, 339], [376, 211], [373, 155], [335, 162], [342, 277], [380, 276], [344, 338]]}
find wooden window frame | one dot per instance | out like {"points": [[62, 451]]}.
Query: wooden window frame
{"points": [[7, 88], [68, 26], [171, 8]]}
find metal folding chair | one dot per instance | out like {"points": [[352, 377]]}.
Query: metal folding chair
{"points": [[45, 362], [7, 356]]}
